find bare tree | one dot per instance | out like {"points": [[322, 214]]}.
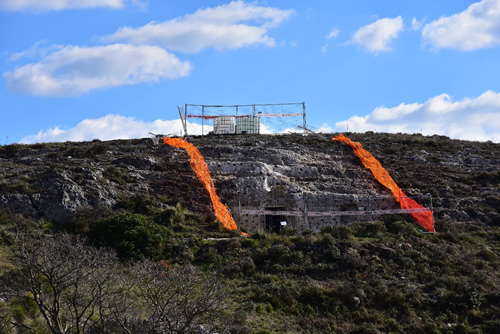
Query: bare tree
{"points": [[69, 281], [179, 300], [81, 289], [121, 311]]}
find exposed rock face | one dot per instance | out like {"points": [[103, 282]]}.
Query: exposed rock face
{"points": [[62, 196], [18, 203], [277, 174], [289, 172]]}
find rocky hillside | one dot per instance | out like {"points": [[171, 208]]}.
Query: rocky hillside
{"points": [[55, 180], [97, 210]]}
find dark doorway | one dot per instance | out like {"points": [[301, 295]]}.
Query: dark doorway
{"points": [[349, 207], [273, 222]]}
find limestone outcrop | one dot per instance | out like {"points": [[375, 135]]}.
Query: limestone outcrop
{"points": [[260, 172]]}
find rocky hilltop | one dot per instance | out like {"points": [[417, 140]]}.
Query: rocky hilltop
{"points": [[54, 181]]}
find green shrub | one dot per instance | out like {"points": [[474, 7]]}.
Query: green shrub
{"points": [[139, 203], [369, 230], [400, 227], [164, 217], [209, 257], [319, 299], [327, 249], [117, 175], [260, 331], [393, 325], [486, 178], [82, 150], [490, 326], [261, 308], [10, 151], [4, 218], [6, 238], [86, 217], [279, 254], [133, 236], [77, 152], [98, 148], [342, 232], [20, 185], [248, 243], [18, 310]]}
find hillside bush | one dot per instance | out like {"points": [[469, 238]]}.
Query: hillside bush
{"points": [[139, 203], [134, 236], [400, 227], [84, 219], [118, 175]]}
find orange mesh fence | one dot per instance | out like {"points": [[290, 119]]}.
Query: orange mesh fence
{"points": [[424, 217], [373, 165], [200, 167]]}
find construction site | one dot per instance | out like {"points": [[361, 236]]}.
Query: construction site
{"points": [[277, 203]]}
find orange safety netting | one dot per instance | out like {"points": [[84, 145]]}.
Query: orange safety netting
{"points": [[201, 169], [424, 217]]}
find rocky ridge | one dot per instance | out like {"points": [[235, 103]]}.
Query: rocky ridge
{"points": [[54, 180]]}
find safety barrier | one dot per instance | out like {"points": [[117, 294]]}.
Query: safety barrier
{"points": [[200, 167], [423, 217]]}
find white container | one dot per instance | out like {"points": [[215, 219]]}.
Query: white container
{"points": [[224, 125], [249, 125]]}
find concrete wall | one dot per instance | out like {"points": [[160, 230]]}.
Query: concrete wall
{"points": [[279, 199]]}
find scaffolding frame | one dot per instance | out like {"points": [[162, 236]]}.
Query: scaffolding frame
{"points": [[364, 209], [242, 113]]}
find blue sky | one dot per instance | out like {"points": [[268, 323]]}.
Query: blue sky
{"points": [[85, 69]]}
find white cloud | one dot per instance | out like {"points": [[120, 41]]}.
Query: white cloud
{"points": [[74, 70], [40, 5], [223, 27], [324, 128], [39, 49], [378, 35], [111, 127], [324, 49], [266, 129], [475, 28], [333, 33], [141, 4], [415, 24], [470, 119]]}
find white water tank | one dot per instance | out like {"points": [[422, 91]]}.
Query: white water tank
{"points": [[249, 125], [223, 125]]}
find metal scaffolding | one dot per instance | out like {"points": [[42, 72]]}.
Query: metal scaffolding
{"points": [[242, 119]]}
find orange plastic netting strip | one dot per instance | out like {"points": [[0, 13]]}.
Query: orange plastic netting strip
{"points": [[200, 167], [424, 218]]}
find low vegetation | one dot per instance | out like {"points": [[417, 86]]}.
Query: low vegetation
{"points": [[384, 276]]}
